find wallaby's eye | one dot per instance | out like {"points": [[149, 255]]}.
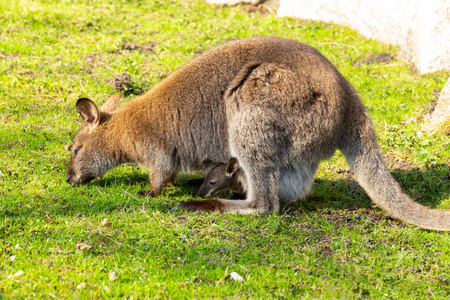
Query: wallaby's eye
{"points": [[212, 183], [76, 150]]}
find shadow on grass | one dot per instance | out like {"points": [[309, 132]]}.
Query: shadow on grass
{"points": [[428, 187], [131, 179]]}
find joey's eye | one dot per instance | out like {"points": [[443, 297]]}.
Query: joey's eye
{"points": [[212, 183], [76, 150]]}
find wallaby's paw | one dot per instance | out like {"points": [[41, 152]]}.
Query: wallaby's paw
{"points": [[148, 193], [200, 206]]}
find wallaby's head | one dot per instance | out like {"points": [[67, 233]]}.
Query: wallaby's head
{"points": [[88, 154], [221, 177]]}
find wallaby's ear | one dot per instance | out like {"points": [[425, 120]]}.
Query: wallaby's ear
{"points": [[232, 166], [111, 105], [88, 111]]}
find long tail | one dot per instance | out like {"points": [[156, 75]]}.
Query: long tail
{"points": [[361, 150]]}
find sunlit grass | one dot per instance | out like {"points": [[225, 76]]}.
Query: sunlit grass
{"points": [[333, 244]]}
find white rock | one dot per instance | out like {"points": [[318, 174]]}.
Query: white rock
{"points": [[233, 2], [82, 285], [236, 277], [441, 113], [112, 276], [421, 28]]}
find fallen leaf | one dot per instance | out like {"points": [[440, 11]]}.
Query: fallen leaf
{"points": [[112, 276], [82, 285], [58, 249], [8, 244], [50, 220], [12, 258], [302, 269], [83, 246], [106, 223]]}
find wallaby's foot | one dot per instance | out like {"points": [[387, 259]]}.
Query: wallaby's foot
{"points": [[147, 193], [220, 206], [196, 182], [200, 206]]}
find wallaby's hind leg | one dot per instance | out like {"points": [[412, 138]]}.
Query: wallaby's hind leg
{"points": [[263, 198], [263, 180], [259, 137]]}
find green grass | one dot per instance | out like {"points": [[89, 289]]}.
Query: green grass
{"points": [[333, 244]]}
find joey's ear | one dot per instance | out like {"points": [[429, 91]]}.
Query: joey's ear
{"points": [[208, 164], [232, 166], [88, 111], [111, 105]]}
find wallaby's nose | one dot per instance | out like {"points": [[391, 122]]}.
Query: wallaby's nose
{"points": [[68, 177]]}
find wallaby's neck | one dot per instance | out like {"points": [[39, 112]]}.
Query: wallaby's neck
{"points": [[117, 139]]}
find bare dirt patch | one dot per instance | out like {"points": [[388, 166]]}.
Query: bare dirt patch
{"points": [[133, 46], [394, 163], [9, 56], [376, 58], [121, 82]]}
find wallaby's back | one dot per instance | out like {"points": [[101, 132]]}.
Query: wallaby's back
{"points": [[188, 106]]}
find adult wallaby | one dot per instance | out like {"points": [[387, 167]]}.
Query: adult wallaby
{"points": [[278, 106]]}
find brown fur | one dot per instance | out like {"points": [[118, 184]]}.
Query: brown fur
{"points": [[276, 105]]}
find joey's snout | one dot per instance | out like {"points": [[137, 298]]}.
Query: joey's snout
{"points": [[203, 194]]}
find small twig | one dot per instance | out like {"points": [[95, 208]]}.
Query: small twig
{"points": [[51, 295], [134, 197], [340, 44], [49, 96], [103, 64], [165, 260], [46, 244], [118, 243]]}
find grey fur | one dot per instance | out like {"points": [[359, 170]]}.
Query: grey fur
{"points": [[295, 181]]}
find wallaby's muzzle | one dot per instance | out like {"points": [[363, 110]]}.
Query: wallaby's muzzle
{"points": [[72, 179]]}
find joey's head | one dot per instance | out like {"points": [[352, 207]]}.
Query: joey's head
{"points": [[219, 178], [89, 154]]}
